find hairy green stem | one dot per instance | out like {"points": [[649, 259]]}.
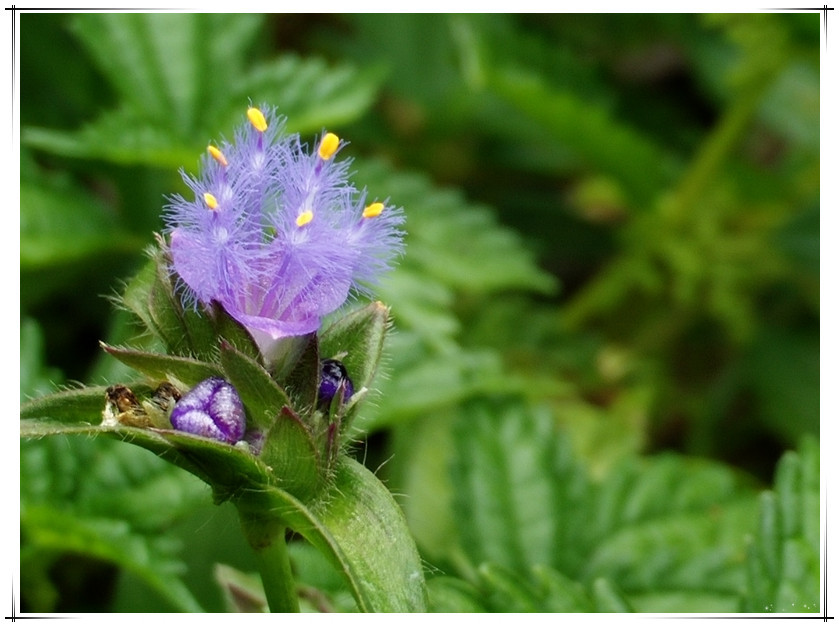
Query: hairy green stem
{"points": [[267, 537], [277, 580]]}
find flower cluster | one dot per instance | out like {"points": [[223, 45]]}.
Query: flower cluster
{"points": [[276, 235]]}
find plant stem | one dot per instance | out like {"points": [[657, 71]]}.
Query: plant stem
{"points": [[267, 537], [277, 580]]}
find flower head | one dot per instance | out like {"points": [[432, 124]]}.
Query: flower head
{"points": [[277, 235]]}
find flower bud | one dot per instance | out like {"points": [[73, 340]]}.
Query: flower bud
{"points": [[211, 409], [332, 375]]}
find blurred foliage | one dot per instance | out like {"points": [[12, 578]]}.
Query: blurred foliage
{"points": [[606, 323]]}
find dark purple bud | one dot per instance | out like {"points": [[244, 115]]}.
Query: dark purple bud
{"points": [[332, 374], [212, 409]]}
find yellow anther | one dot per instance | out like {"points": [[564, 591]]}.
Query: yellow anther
{"points": [[257, 119], [305, 217], [211, 201], [217, 155], [328, 146], [372, 210]]}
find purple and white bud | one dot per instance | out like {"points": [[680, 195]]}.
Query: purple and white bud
{"points": [[211, 409]]}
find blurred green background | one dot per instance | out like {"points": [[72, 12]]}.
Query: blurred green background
{"points": [[612, 222]]}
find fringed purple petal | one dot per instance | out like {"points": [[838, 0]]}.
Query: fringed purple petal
{"points": [[277, 234]]}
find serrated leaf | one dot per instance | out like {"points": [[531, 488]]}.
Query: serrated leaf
{"points": [[693, 552], [167, 68], [457, 243], [519, 496], [783, 559], [97, 498], [311, 94]]}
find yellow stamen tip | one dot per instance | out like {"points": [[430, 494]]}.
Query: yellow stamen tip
{"points": [[328, 146], [217, 155], [211, 201], [304, 218], [257, 119], [373, 210]]}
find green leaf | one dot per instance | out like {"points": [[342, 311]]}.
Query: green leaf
{"points": [[302, 381], [356, 514], [232, 330], [60, 224], [190, 332], [356, 339], [51, 530], [359, 514], [783, 559], [520, 498], [310, 93], [184, 77], [591, 131], [541, 589], [457, 243], [101, 499]]}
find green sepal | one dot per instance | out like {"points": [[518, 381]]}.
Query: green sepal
{"points": [[303, 379], [260, 394], [357, 340], [232, 330], [150, 295], [188, 332], [292, 456], [160, 367]]}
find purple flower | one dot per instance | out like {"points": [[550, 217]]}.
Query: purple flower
{"points": [[211, 409], [279, 237]]}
